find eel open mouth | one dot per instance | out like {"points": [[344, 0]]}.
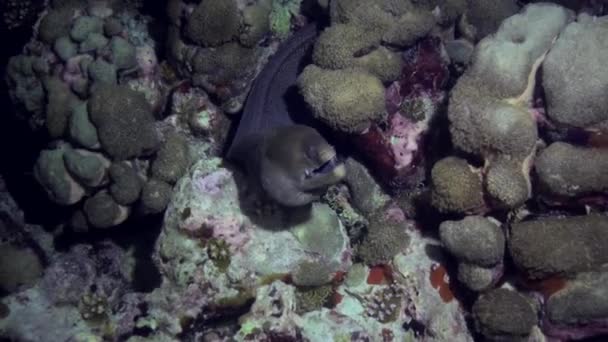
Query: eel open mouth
{"points": [[327, 167]]}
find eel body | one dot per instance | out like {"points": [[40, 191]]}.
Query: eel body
{"points": [[267, 104], [275, 140]]}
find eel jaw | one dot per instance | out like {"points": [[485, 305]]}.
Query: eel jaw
{"points": [[330, 165]]}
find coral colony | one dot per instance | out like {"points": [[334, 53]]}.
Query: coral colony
{"points": [[308, 170]]}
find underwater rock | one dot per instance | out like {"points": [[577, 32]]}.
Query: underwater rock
{"points": [[206, 206]]}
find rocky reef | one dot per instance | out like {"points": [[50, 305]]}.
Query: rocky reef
{"points": [[473, 206]]}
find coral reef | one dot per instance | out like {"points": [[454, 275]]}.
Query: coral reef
{"points": [[491, 112], [217, 45], [393, 148], [100, 92], [454, 130]]}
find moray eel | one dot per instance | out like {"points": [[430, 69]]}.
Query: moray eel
{"points": [[275, 140]]}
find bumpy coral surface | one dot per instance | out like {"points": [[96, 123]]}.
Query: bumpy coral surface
{"points": [[570, 245], [218, 44], [504, 314], [575, 76], [570, 171]]}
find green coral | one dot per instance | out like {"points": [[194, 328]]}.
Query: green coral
{"points": [[356, 275], [20, 267], [457, 187], [101, 71], [320, 233], [218, 251], [84, 26], [213, 22], [312, 273], [61, 100], [225, 62], [101, 210], [280, 16], [65, 48], [81, 129], [126, 183], [172, 160], [97, 41], [55, 24], [155, 196], [384, 240], [88, 168], [124, 121], [51, 173], [256, 23], [346, 100], [312, 298], [506, 183], [349, 46], [123, 52]]}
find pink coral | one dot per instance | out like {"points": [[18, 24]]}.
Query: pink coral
{"points": [[411, 102]]}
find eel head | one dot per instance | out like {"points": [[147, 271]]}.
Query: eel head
{"points": [[298, 164]]}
